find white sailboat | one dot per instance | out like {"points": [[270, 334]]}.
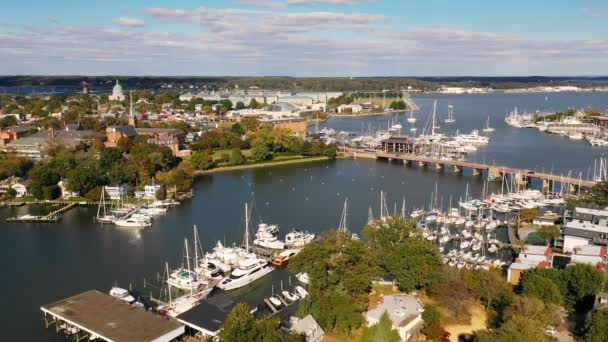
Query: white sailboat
{"points": [[411, 119], [184, 278], [450, 118], [102, 212], [488, 129]]}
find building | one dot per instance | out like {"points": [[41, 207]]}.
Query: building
{"points": [[6, 184], [297, 126], [584, 226], [117, 93], [405, 312], [297, 100], [116, 192], [114, 134], [21, 189], [149, 192], [175, 139], [13, 133], [307, 328], [65, 193], [548, 219], [398, 145], [593, 255], [36, 145], [530, 256], [349, 109]]}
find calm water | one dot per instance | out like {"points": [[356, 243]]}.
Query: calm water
{"points": [[46, 262]]}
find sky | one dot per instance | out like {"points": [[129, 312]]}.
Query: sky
{"points": [[304, 37]]}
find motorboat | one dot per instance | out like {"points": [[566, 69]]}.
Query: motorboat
{"points": [[133, 222], [302, 293], [298, 238], [275, 301], [266, 237], [290, 296], [283, 258], [303, 278], [248, 271], [576, 136], [122, 294]]}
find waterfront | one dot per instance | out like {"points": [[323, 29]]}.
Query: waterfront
{"points": [[46, 262]]}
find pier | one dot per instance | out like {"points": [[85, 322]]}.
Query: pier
{"points": [[53, 216], [494, 172]]}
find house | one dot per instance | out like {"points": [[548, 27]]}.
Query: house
{"points": [[405, 312], [306, 327], [529, 257], [7, 183], [149, 192], [349, 109], [21, 189], [13, 133], [115, 192], [36, 145], [594, 255], [65, 193], [584, 226]]}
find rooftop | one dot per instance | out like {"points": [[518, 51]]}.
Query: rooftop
{"points": [[591, 250], [537, 250], [585, 225], [113, 319], [400, 308], [209, 315], [589, 211]]}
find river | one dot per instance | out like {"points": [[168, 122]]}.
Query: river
{"points": [[47, 262]]}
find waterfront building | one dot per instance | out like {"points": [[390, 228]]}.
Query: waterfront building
{"points": [[117, 93], [593, 255], [15, 183], [65, 193], [398, 145], [36, 145], [349, 109], [149, 192], [21, 189], [321, 96], [585, 227], [529, 257], [307, 328], [405, 312], [116, 192], [276, 110]]}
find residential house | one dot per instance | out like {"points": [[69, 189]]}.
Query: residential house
{"points": [[7, 183], [149, 192], [175, 139], [114, 134], [529, 257], [405, 312], [584, 226], [36, 146], [21, 189], [115, 192], [65, 193], [593, 255]]}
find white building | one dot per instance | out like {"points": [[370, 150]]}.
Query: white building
{"points": [[149, 192], [351, 108], [21, 189], [186, 97], [530, 256], [306, 327], [116, 192], [592, 255], [297, 100], [405, 312], [585, 227], [117, 93], [65, 193]]}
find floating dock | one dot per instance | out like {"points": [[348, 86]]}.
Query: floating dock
{"points": [[96, 315], [53, 216]]}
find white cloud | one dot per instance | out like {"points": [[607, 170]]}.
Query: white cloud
{"points": [[128, 22], [329, 2], [264, 3]]}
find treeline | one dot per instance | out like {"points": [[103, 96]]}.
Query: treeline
{"points": [[134, 162], [248, 142]]}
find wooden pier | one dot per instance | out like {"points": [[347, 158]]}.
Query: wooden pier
{"points": [[53, 216], [494, 172]]}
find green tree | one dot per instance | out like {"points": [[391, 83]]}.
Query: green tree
{"points": [[381, 332], [260, 151], [202, 160], [253, 104], [237, 129], [550, 233], [250, 123], [398, 105], [596, 324], [237, 157], [488, 286], [584, 282], [240, 105], [598, 194], [402, 252], [527, 215], [8, 121], [537, 285], [239, 325], [226, 104]]}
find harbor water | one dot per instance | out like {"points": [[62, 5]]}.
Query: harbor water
{"points": [[46, 262]]}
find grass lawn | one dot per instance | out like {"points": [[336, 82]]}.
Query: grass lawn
{"points": [[377, 100], [379, 291]]}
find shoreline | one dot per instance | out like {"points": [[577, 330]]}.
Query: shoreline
{"points": [[261, 165], [367, 114]]}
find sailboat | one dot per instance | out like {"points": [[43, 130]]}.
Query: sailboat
{"points": [[411, 119], [488, 128], [396, 125], [450, 118], [184, 278], [102, 214]]}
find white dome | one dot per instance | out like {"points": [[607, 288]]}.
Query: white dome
{"points": [[117, 88]]}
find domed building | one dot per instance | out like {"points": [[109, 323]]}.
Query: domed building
{"points": [[117, 93]]}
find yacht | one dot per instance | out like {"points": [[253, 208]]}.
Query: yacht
{"points": [[298, 238], [411, 119], [133, 222], [184, 278], [184, 303], [290, 296], [266, 237], [576, 136], [302, 293], [122, 294], [303, 278], [249, 270], [450, 118]]}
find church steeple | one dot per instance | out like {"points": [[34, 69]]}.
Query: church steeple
{"points": [[132, 118]]}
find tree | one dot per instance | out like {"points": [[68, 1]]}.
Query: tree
{"points": [[202, 160], [584, 282], [535, 284], [402, 252], [598, 194], [250, 123], [237, 129], [398, 105], [488, 286], [381, 332], [527, 215], [260, 151], [254, 104], [595, 326], [238, 326], [161, 193], [226, 104], [240, 105], [8, 121], [550, 233], [237, 157]]}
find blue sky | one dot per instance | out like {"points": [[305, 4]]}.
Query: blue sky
{"points": [[304, 37]]}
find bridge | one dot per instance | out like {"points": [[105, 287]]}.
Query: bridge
{"points": [[493, 171]]}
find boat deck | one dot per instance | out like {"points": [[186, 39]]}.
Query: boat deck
{"points": [[94, 313]]}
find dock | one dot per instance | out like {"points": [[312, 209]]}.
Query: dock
{"points": [[53, 216], [96, 315]]}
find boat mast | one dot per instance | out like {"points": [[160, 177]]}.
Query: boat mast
{"points": [[403, 208], [370, 215], [168, 286], [246, 228], [433, 118], [343, 224]]}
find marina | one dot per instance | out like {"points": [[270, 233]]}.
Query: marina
{"points": [[317, 189]]}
